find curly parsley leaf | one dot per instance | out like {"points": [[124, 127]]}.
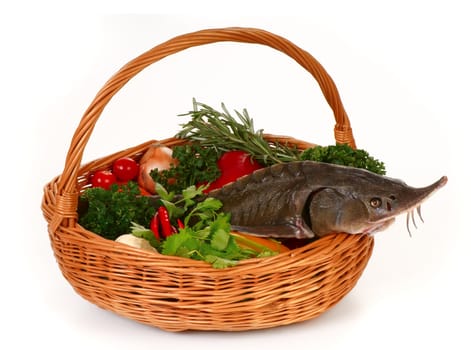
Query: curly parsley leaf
{"points": [[196, 164], [343, 154], [110, 213]]}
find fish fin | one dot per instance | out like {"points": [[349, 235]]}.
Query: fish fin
{"points": [[290, 229]]}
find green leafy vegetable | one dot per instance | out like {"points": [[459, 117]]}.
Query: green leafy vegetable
{"points": [[142, 232], [222, 131], [110, 213], [220, 229], [181, 244], [344, 155], [196, 164], [206, 234]]}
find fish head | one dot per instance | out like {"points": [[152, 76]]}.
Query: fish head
{"points": [[367, 204]]}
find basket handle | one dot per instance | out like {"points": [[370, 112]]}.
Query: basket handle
{"points": [[67, 193]]}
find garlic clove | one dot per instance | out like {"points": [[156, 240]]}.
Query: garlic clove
{"points": [[135, 242]]}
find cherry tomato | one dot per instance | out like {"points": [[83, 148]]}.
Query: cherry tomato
{"points": [[103, 179], [125, 169]]}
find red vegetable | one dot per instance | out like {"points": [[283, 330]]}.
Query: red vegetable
{"points": [[154, 225], [125, 169], [103, 179], [234, 164], [144, 192], [166, 228]]}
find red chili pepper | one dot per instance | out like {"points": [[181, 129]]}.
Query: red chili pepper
{"points": [[164, 221], [154, 225]]}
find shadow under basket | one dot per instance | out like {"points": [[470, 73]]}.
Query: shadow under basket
{"points": [[178, 294]]}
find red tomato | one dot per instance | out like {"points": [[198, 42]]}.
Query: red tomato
{"points": [[103, 179], [125, 169], [234, 164]]}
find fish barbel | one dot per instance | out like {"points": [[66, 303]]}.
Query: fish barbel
{"points": [[307, 199]]}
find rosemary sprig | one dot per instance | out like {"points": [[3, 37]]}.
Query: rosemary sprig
{"points": [[212, 128]]}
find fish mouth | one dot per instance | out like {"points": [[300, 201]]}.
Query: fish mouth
{"points": [[379, 226]]}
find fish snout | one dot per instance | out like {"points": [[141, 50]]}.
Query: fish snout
{"points": [[442, 182], [423, 194]]}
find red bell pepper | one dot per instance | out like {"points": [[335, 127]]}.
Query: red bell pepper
{"points": [[233, 164]]}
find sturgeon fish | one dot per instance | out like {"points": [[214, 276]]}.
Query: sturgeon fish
{"points": [[308, 199]]}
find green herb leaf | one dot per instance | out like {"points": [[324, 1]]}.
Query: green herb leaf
{"points": [[210, 203], [221, 131], [204, 211], [220, 239], [218, 262], [174, 211], [142, 232], [180, 244], [163, 193]]}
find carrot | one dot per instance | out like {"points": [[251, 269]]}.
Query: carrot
{"points": [[144, 192], [258, 244]]}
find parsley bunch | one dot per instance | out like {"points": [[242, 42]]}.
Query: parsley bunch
{"points": [[110, 213], [207, 230], [196, 165], [342, 154], [213, 244], [206, 234]]}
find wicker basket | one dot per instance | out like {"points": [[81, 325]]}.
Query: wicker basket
{"points": [[178, 294]]}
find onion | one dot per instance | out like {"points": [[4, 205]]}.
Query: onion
{"points": [[156, 157]]}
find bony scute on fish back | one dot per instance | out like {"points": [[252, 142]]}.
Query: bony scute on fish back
{"points": [[308, 199]]}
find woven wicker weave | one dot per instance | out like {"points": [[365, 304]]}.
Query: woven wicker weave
{"points": [[178, 294]]}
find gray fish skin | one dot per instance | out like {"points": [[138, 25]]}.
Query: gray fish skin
{"points": [[308, 199]]}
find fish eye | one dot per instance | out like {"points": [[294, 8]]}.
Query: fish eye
{"points": [[375, 202]]}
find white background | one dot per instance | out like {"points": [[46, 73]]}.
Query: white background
{"points": [[403, 73]]}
